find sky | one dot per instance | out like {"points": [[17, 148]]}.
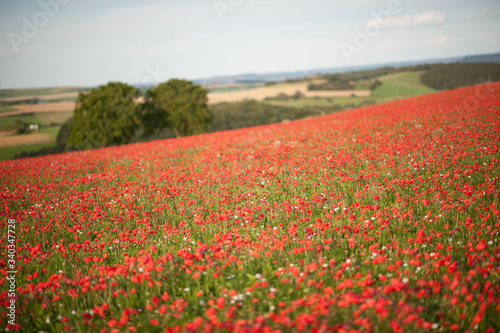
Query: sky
{"points": [[56, 43]]}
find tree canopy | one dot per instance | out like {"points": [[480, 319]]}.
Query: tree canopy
{"points": [[108, 115], [179, 105]]}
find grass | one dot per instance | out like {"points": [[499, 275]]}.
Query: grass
{"points": [[323, 101], [54, 117], [363, 85], [6, 109], [25, 118], [38, 118], [63, 99], [404, 84], [8, 152], [239, 87], [52, 130], [9, 93]]}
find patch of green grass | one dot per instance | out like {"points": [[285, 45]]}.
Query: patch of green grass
{"points": [[6, 109], [403, 84], [9, 93], [36, 118], [363, 85], [239, 87], [53, 117], [7, 153], [62, 99], [325, 101], [9, 121], [53, 130]]}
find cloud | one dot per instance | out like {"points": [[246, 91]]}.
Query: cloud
{"points": [[490, 34], [433, 17], [429, 18]]}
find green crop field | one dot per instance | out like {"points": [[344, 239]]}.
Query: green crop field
{"points": [[7, 153], [53, 130], [9, 93], [9, 121], [62, 99], [6, 109], [38, 118], [403, 84], [239, 87]]}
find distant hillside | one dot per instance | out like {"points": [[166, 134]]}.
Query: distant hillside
{"points": [[483, 58], [281, 76], [462, 74]]}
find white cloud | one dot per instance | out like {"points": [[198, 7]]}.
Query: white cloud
{"points": [[490, 34], [428, 18]]}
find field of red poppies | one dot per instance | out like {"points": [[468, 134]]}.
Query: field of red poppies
{"points": [[380, 219]]}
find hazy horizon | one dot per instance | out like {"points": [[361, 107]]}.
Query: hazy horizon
{"points": [[51, 43]]}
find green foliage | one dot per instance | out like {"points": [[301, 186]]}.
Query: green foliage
{"points": [[363, 80], [250, 113], [64, 133], [179, 105], [285, 97], [108, 115], [39, 150], [455, 75], [21, 128]]}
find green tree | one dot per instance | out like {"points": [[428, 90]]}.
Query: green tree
{"points": [[64, 133], [179, 105], [108, 115]]}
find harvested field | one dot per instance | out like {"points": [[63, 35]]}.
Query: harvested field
{"points": [[260, 94], [7, 139], [41, 108]]}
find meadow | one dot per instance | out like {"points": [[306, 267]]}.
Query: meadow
{"points": [[379, 219]]}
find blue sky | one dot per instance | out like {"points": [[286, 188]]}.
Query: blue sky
{"points": [[91, 42]]}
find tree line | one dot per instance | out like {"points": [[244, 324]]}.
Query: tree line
{"points": [[456, 75]]}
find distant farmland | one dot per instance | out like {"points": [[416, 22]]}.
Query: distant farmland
{"points": [[261, 93]]}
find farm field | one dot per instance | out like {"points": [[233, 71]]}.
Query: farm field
{"points": [[15, 94], [237, 86], [59, 107], [10, 151], [379, 219], [394, 86], [40, 108], [402, 84], [261, 93], [46, 135], [8, 139]]}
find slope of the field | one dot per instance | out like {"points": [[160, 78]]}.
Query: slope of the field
{"points": [[380, 219]]}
